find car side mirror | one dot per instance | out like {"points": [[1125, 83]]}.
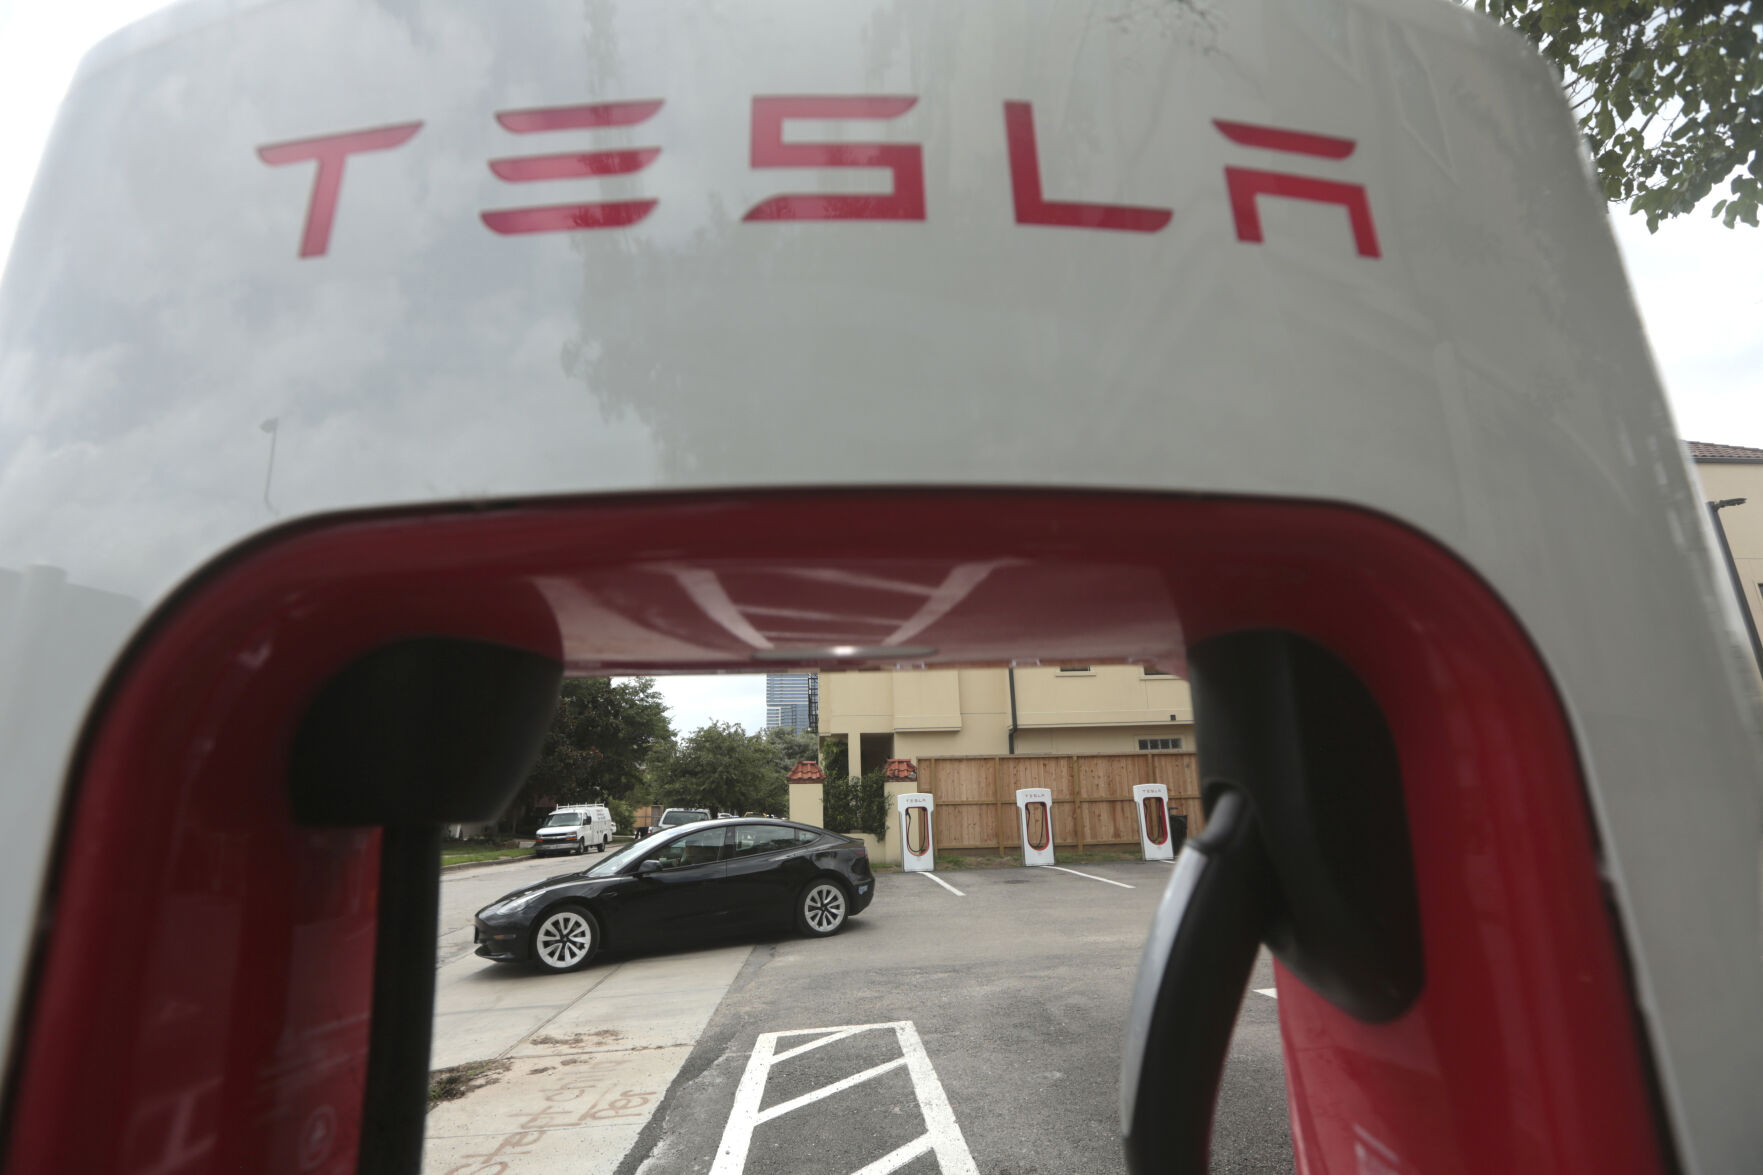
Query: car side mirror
{"points": [[648, 867]]}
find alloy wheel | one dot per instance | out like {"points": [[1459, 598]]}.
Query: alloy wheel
{"points": [[563, 940], [824, 907]]}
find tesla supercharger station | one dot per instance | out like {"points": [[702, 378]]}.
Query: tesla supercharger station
{"points": [[918, 843], [1155, 839], [1283, 345], [1034, 823]]}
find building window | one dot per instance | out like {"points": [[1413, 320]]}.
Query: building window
{"points": [[792, 700], [1151, 671], [1160, 744], [1074, 669]]}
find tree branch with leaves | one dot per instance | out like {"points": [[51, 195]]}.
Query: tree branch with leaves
{"points": [[1668, 96], [601, 736]]}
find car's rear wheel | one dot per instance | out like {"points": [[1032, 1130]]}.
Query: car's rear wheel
{"points": [[822, 908], [566, 939]]}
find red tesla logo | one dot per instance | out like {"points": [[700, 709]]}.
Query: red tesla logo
{"points": [[1246, 187], [565, 217]]}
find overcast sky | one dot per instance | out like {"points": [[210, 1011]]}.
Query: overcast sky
{"points": [[1699, 285]]}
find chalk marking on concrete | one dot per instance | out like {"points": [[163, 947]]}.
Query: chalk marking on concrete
{"points": [[942, 1134], [1091, 876], [944, 884]]}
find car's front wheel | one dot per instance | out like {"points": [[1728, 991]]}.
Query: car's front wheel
{"points": [[822, 908], [566, 939]]}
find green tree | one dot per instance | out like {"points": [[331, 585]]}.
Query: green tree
{"points": [[601, 735], [790, 746], [721, 768], [1668, 95]]}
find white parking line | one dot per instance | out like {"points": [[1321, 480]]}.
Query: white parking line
{"points": [[839, 1034], [944, 884], [1091, 876], [941, 1135], [1271, 993], [825, 1091]]}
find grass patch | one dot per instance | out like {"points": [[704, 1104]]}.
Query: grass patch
{"points": [[458, 852], [1099, 856], [488, 855], [447, 1084]]}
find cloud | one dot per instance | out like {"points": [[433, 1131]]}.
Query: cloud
{"points": [[41, 43], [697, 701], [1700, 290]]}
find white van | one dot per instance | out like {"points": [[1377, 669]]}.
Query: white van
{"points": [[575, 829]]}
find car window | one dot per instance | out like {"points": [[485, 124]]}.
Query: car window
{"points": [[697, 848], [806, 838], [762, 838], [558, 818], [613, 865]]}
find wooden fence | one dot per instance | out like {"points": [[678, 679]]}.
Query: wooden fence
{"points": [[1092, 796]]}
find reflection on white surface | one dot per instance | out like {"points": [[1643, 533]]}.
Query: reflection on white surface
{"points": [[424, 357]]}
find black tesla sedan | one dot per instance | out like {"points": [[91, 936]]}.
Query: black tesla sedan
{"points": [[697, 881]]}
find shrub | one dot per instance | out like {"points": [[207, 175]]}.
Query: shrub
{"points": [[856, 805]]}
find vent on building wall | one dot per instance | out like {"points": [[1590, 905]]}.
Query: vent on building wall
{"points": [[1160, 744]]}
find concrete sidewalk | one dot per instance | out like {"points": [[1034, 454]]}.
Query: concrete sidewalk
{"points": [[589, 1056]]}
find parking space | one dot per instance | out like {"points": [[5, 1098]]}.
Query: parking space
{"points": [[1018, 991], [969, 1021]]}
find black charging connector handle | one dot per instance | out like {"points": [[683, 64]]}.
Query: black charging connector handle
{"points": [[1306, 849], [1196, 967]]}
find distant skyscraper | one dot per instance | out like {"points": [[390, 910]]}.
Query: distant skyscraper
{"points": [[791, 699]]}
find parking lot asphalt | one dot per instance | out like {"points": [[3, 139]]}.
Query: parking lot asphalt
{"points": [[1013, 997], [978, 1031]]}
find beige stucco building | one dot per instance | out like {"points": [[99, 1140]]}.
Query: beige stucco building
{"points": [[1041, 710], [1103, 709], [1733, 471]]}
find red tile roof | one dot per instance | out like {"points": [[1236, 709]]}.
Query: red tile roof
{"points": [[1702, 451], [901, 769], [807, 771]]}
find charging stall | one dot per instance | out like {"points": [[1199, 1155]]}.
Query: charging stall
{"points": [[1285, 346], [1152, 802], [1034, 824], [918, 846]]}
